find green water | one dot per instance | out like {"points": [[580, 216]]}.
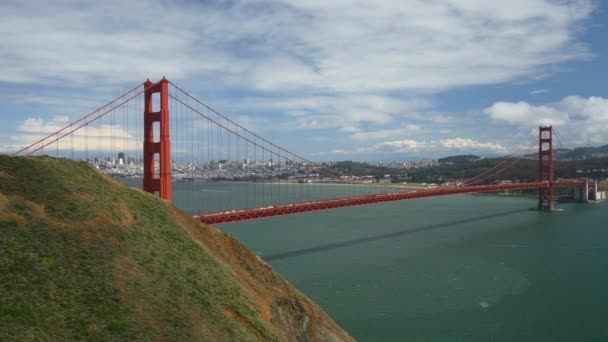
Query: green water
{"points": [[461, 268], [209, 197], [465, 268], [205, 197]]}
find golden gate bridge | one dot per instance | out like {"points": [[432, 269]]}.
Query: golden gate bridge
{"points": [[177, 128]]}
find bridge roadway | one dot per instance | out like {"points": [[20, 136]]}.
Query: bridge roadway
{"points": [[297, 208]]}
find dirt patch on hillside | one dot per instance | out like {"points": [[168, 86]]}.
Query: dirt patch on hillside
{"points": [[5, 175], [242, 322], [7, 214]]}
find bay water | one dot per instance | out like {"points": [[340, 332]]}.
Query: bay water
{"points": [[460, 268]]}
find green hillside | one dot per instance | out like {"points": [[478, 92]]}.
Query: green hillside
{"points": [[83, 257]]}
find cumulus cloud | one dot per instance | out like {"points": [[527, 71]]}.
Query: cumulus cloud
{"points": [[581, 120], [400, 146], [469, 144], [524, 113], [98, 137], [38, 125], [412, 147]]}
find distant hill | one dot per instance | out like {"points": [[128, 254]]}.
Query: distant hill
{"points": [[459, 159], [519, 170], [83, 257], [584, 152], [578, 153]]}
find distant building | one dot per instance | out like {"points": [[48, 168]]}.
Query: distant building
{"points": [[384, 180]]}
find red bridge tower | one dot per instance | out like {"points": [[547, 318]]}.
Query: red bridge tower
{"points": [[152, 183], [545, 167]]}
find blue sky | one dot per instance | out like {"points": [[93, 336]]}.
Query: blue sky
{"points": [[331, 80]]}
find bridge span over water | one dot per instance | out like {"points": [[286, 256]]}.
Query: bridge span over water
{"points": [[162, 133]]}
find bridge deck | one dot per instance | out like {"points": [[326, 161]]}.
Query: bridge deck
{"points": [[297, 208]]}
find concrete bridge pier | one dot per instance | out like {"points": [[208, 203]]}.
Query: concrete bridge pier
{"points": [[592, 190], [581, 193], [587, 192]]}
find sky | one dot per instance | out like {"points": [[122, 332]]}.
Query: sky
{"points": [[331, 80]]}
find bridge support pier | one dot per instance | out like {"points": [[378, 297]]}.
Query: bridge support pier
{"points": [[586, 192], [545, 167], [152, 183], [581, 193]]}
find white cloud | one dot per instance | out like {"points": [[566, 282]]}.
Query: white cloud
{"points": [[38, 125], [345, 112], [337, 65], [77, 105], [337, 46], [100, 136], [538, 91], [524, 113], [404, 145], [412, 147], [469, 144], [439, 118], [580, 121], [384, 134], [254, 124]]}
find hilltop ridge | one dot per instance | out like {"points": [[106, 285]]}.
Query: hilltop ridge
{"points": [[83, 256]]}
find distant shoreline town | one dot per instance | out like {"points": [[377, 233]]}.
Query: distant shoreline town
{"points": [[426, 172], [248, 170]]}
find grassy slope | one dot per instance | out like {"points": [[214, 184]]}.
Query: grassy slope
{"points": [[84, 257]]}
